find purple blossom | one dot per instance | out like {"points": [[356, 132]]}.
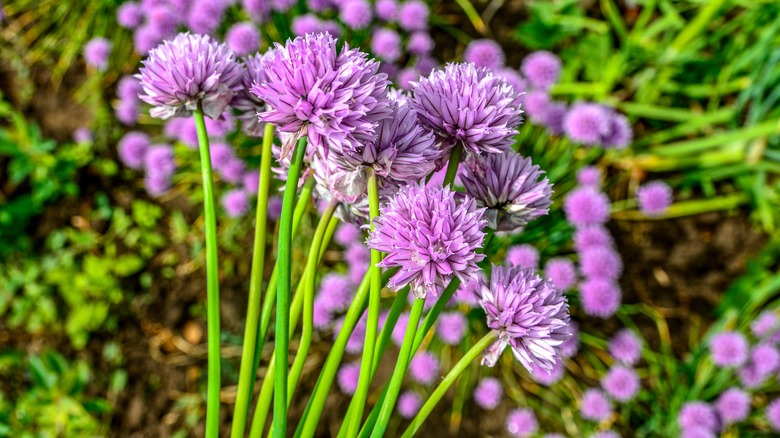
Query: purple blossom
{"points": [[750, 377], [512, 189], [128, 88], [605, 434], [157, 183], [626, 347], [548, 377], [386, 10], [347, 234], [409, 404], [319, 5], [221, 155], [553, 117], [529, 314], [283, 5], [413, 15], [160, 159], [132, 149], [525, 256], [96, 53], [424, 368], [589, 176], [163, 19], [521, 423], [322, 317], [571, 346], [191, 68], [420, 43], [406, 78], [146, 38], [600, 297], [729, 349], [235, 202], [733, 405], [620, 132], [488, 393], [773, 414], [307, 23], [83, 135], [386, 44], [591, 236], [430, 236], [247, 103], [513, 78], [561, 272], [243, 38], [206, 15], [233, 171], [586, 206], [765, 324], [129, 15], [621, 383], [542, 69], [259, 10], [356, 14], [467, 292], [536, 104], [251, 182], [588, 123], [765, 357], [127, 113], [485, 53], [595, 405], [274, 207], [400, 329], [451, 327], [697, 432], [697, 414], [426, 64], [654, 198], [601, 261], [358, 336], [336, 292], [348, 377]]}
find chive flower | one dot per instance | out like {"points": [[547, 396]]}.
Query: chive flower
{"points": [[521, 423], [600, 297], [542, 69], [485, 53], [132, 149], [525, 256], [561, 272], [243, 38], [729, 349], [488, 393], [733, 405], [697, 414], [626, 347], [595, 405], [413, 15], [773, 414], [654, 198], [409, 404], [621, 383], [96, 53]]}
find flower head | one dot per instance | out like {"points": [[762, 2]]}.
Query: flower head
{"points": [[409, 404], [600, 297], [336, 292], [512, 189], [586, 206], [451, 327], [129, 15], [548, 377], [485, 53], [468, 104], [205, 15], [430, 236], [601, 261], [595, 405], [765, 357], [591, 236], [235, 203], [424, 368], [542, 69], [620, 132], [413, 15], [96, 52], [530, 315], [191, 68], [697, 414], [243, 38], [571, 346], [588, 123], [773, 414], [420, 43], [521, 423], [654, 198], [733, 405], [589, 176], [626, 347], [160, 159], [386, 10], [356, 14], [386, 44], [561, 272], [132, 149], [513, 78], [729, 349], [621, 383], [157, 183], [765, 324], [348, 377], [488, 393]]}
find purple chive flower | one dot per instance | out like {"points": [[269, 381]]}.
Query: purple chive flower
{"points": [[413, 15], [386, 10], [697, 414], [605, 434], [542, 69], [322, 317], [601, 261], [233, 171], [157, 183], [452, 327], [342, 107], [595, 405], [430, 236], [424, 368], [773, 414], [513, 78], [82, 135], [485, 53], [521, 423], [128, 88], [206, 15], [548, 377], [246, 102], [406, 77], [146, 38], [571, 346], [530, 315], [356, 14], [765, 358], [409, 404], [347, 234], [621, 383], [512, 189], [129, 15], [336, 291], [307, 23], [426, 64], [626, 347], [469, 105], [163, 19], [553, 435], [587, 123], [586, 206], [96, 53], [697, 432], [589, 176], [536, 104], [283, 5], [620, 132], [600, 297], [348, 377], [358, 336], [132, 149], [654, 198], [127, 113], [591, 236], [221, 155], [243, 38], [488, 393], [259, 10], [159, 159], [750, 377], [561, 272], [250, 182], [733, 405], [553, 117], [357, 254], [319, 5], [386, 44], [400, 329], [765, 324], [235, 203], [274, 207], [729, 349], [420, 43], [525, 256], [191, 68], [467, 292]]}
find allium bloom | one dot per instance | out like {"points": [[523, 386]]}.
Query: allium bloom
{"points": [[521, 423], [621, 383], [127, 113], [96, 53], [513, 78], [345, 97], [605, 434], [595, 405], [733, 405], [467, 292], [541, 68], [773, 414], [729, 349], [420, 43], [160, 159], [235, 202], [750, 377], [221, 155], [536, 104], [356, 14], [586, 206], [406, 77], [530, 315], [259, 10], [468, 104], [654, 198], [386, 10], [191, 68], [386, 44], [561, 272], [347, 234], [600, 297], [548, 377], [409, 404], [400, 329], [243, 38], [512, 189], [413, 15], [145, 38], [322, 317], [765, 324], [129, 15], [620, 132], [697, 432], [488, 393], [571, 346], [157, 183], [132, 149], [336, 291], [588, 123], [591, 236], [451, 327], [485, 53], [525, 256], [424, 368], [307, 23], [430, 237], [697, 414], [626, 347], [348, 377], [589, 176], [205, 15], [765, 357], [602, 262], [251, 181]]}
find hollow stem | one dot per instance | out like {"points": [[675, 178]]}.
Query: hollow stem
{"points": [[452, 166]]}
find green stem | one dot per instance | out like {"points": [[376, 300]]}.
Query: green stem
{"points": [[459, 367], [452, 166], [394, 387], [245, 378], [282, 340], [212, 279], [364, 381]]}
